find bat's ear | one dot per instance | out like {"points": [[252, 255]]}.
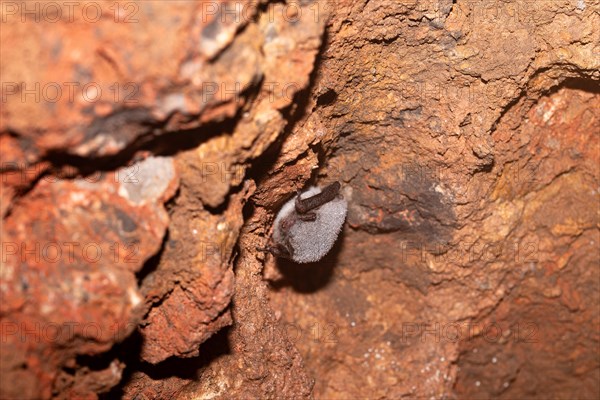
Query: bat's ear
{"points": [[270, 249], [277, 251]]}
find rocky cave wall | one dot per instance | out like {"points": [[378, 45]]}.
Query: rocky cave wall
{"points": [[145, 147]]}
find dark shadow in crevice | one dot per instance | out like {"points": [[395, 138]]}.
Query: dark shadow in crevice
{"points": [[152, 137], [165, 144], [184, 368], [65, 165], [328, 97], [583, 84], [152, 263], [577, 83], [187, 368], [128, 352], [293, 113], [222, 208]]}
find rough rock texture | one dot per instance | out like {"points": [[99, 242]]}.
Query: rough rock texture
{"points": [[145, 148], [468, 139], [207, 86], [68, 280]]}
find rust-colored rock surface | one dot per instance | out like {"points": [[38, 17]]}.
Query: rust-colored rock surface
{"points": [[468, 142], [147, 118], [145, 148], [70, 251]]}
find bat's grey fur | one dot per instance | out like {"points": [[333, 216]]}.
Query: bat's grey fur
{"points": [[304, 237]]}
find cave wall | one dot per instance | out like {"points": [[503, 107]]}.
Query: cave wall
{"points": [[469, 146], [146, 146]]}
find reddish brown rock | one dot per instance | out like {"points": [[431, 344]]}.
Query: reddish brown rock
{"points": [[190, 290], [195, 272], [100, 102], [465, 138], [70, 251], [117, 70], [469, 169]]}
